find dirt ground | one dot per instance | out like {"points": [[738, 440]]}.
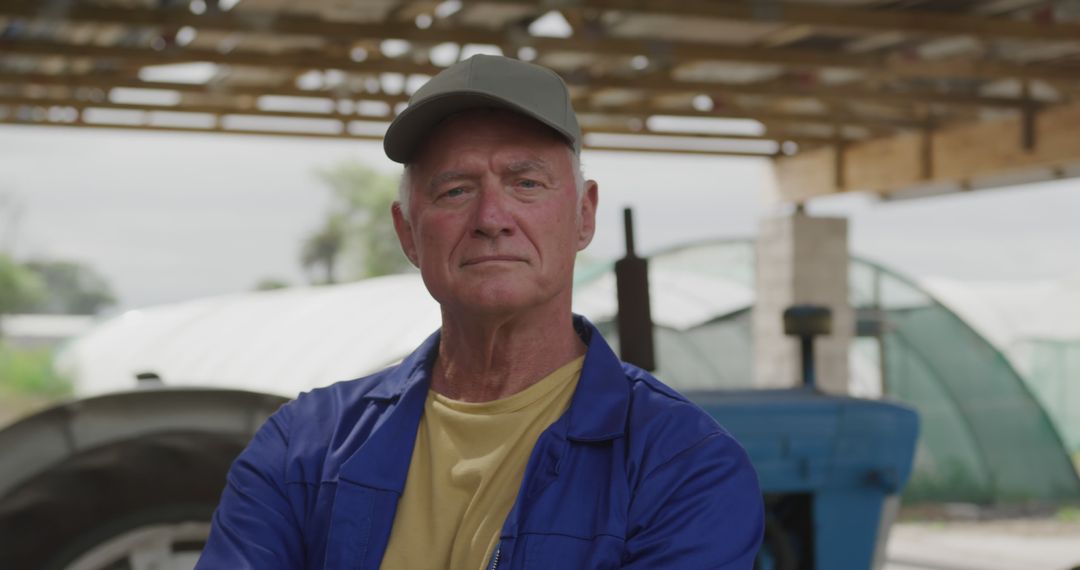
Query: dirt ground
{"points": [[1047, 543]]}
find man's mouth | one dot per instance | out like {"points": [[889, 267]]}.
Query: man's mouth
{"points": [[492, 259]]}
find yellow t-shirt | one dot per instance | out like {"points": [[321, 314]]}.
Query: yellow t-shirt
{"points": [[465, 472]]}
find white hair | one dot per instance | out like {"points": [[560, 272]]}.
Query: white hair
{"points": [[405, 184]]}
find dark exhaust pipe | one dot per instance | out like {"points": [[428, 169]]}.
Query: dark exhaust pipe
{"points": [[634, 313]]}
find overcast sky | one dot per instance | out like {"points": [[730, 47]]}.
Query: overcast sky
{"points": [[167, 216]]}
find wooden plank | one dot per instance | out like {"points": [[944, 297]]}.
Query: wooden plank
{"points": [[834, 118], [970, 151], [106, 81], [806, 175], [681, 51], [825, 93], [7, 120], [146, 56], [177, 129], [189, 108], [888, 162], [636, 110], [960, 155], [649, 85], [625, 142], [236, 109], [777, 135], [908, 21], [679, 151]]}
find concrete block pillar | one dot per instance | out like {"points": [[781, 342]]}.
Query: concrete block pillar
{"points": [[801, 259]]}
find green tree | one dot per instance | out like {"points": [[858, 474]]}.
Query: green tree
{"points": [[71, 288], [324, 246], [358, 234], [270, 284], [20, 287]]}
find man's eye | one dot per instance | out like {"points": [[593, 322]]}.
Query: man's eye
{"points": [[454, 192], [526, 183]]}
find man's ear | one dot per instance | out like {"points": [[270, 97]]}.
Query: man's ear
{"points": [[404, 233], [587, 213]]}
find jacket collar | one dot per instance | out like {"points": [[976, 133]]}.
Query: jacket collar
{"points": [[416, 368], [362, 516], [599, 407], [382, 461]]}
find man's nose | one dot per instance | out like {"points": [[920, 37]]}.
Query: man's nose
{"points": [[493, 216]]}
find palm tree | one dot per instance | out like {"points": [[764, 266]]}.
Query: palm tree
{"points": [[323, 247], [358, 239], [19, 287]]}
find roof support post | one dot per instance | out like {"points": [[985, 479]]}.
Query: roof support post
{"points": [[1027, 119], [927, 149], [801, 259]]}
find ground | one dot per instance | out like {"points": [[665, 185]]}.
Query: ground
{"points": [[1049, 543]]}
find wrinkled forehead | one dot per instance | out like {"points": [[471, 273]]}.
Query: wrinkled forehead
{"points": [[488, 129]]}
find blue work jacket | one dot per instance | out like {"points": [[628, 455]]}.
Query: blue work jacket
{"points": [[631, 476]]}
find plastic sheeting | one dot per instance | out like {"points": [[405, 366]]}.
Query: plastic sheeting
{"points": [[292, 340], [282, 342], [985, 438], [1037, 326]]}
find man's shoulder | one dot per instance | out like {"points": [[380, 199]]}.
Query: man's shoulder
{"points": [[662, 424], [343, 402], [317, 414], [323, 427], [654, 404], [350, 390]]}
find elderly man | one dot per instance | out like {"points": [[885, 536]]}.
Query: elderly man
{"points": [[513, 437]]}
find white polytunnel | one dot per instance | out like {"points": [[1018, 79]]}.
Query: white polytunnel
{"points": [[284, 341], [288, 341], [959, 353]]}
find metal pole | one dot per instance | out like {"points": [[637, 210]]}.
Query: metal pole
{"points": [[807, 343]]}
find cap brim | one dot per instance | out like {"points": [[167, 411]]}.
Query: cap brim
{"points": [[409, 129]]}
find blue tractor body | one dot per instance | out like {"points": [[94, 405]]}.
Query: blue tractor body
{"points": [[826, 464]]}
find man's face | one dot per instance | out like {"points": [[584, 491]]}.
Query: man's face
{"points": [[495, 222]]}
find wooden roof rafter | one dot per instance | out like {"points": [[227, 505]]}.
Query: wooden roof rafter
{"points": [[11, 81], [915, 21], [774, 62], [302, 61], [608, 45]]}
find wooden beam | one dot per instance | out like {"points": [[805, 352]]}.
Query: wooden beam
{"points": [[341, 93], [682, 51], [822, 92], [223, 110], [218, 130], [652, 85], [787, 35], [908, 21], [634, 110], [147, 56], [763, 116], [731, 153], [962, 155], [94, 80], [771, 135], [175, 129], [219, 110], [882, 20]]}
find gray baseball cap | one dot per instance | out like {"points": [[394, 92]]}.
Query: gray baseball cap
{"points": [[483, 81]]}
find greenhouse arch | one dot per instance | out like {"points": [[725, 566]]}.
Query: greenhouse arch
{"points": [[985, 438]]}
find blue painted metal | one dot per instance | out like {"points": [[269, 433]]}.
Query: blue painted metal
{"points": [[847, 454]]}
